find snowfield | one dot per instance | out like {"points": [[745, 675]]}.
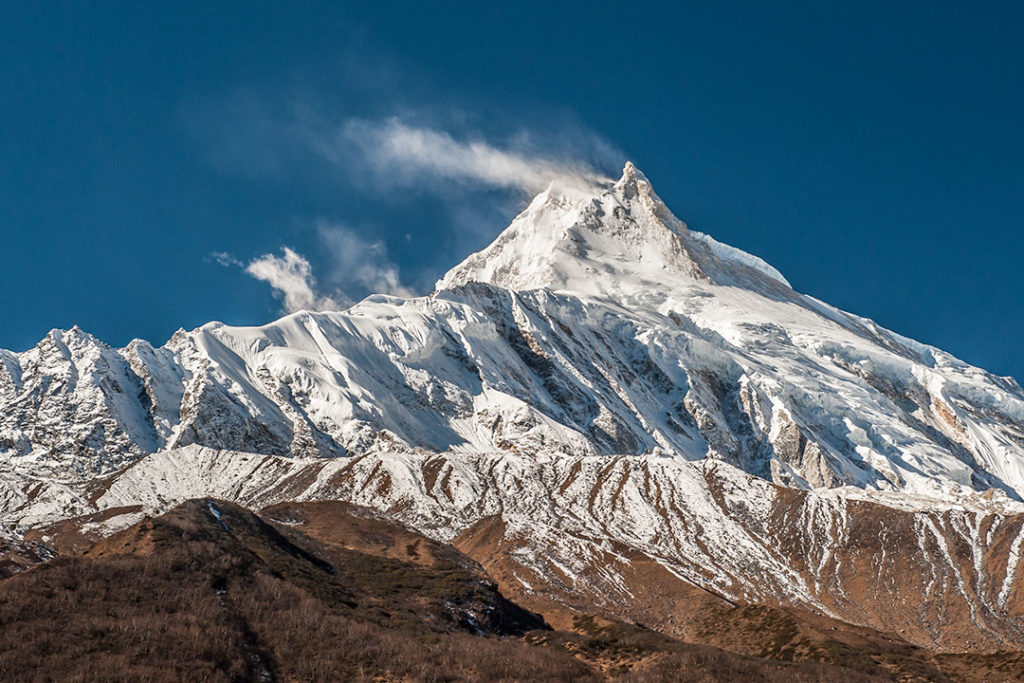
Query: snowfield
{"points": [[599, 376]]}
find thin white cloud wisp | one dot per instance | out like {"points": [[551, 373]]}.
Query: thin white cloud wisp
{"points": [[361, 262], [412, 155], [291, 277], [356, 264]]}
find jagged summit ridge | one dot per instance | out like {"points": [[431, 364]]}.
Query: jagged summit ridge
{"points": [[621, 239]]}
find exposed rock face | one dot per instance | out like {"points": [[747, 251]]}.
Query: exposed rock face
{"points": [[616, 387]]}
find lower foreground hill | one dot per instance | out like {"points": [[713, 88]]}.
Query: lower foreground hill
{"points": [[333, 591]]}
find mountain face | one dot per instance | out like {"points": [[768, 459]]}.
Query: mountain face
{"points": [[611, 386], [210, 591]]}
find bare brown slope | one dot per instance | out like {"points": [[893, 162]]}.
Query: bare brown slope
{"points": [[912, 573], [339, 525], [194, 596], [942, 577], [210, 591], [672, 605]]}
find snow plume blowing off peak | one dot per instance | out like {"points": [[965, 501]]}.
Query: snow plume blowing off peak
{"points": [[356, 264], [291, 277], [410, 155]]}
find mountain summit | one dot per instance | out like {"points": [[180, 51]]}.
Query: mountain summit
{"points": [[619, 242], [598, 385]]}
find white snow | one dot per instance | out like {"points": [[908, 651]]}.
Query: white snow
{"points": [[588, 371]]}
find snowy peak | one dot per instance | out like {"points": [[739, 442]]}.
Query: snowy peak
{"points": [[634, 184], [616, 243], [605, 326], [619, 387]]}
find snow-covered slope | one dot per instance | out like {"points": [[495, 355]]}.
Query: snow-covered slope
{"points": [[598, 325], [593, 327]]}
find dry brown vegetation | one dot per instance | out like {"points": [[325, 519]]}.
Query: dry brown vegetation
{"points": [[333, 592]]}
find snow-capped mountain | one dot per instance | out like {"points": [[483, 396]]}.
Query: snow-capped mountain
{"points": [[590, 326], [597, 337]]}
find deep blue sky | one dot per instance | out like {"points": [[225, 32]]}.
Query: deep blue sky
{"points": [[871, 153]]}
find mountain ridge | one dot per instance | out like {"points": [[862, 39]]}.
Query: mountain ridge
{"points": [[599, 374], [736, 361]]}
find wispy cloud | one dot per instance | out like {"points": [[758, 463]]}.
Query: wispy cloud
{"points": [[354, 265], [291, 277], [395, 154], [258, 137], [225, 259], [360, 261], [411, 155]]}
